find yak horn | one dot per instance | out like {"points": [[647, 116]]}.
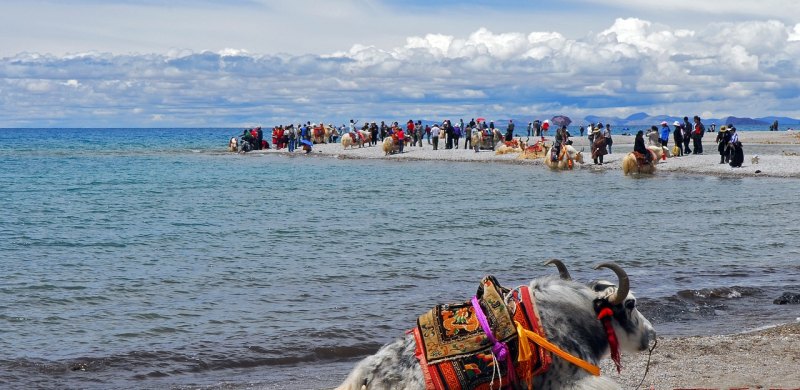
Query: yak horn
{"points": [[562, 269], [624, 284]]}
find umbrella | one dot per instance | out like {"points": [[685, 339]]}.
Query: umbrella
{"points": [[480, 120], [561, 120], [306, 142]]}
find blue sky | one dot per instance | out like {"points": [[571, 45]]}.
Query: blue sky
{"points": [[151, 63]]}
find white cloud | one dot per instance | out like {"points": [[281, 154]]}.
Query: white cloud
{"points": [[795, 34], [633, 65]]}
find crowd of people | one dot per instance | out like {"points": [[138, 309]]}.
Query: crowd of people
{"points": [[599, 135], [684, 133], [290, 136]]}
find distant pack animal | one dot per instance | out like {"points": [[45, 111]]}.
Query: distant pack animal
{"points": [[583, 322], [352, 139], [233, 145], [390, 146], [566, 158], [660, 152], [482, 140], [634, 163], [533, 152]]}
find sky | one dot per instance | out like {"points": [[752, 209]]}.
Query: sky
{"points": [[240, 63]]}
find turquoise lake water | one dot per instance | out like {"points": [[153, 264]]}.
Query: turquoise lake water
{"points": [[142, 258]]}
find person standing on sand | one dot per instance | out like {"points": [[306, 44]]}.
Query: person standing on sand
{"points": [[449, 132], [607, 135], [456, 135], [697, 135], [528, 129], [428, 133], [510, 131], [383, 130], [678, 136], [281, 141], [687, 135], [664, 134], [435, 135], [467, 137], [737, 154], [723, 142], [401, 138], [292, 136]]}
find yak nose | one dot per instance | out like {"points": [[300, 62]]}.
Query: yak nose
{"points": [[650, 339]]}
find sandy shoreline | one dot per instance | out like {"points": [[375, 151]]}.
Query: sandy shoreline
{"points": [[778, 155]]}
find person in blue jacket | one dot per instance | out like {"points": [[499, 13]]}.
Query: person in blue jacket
{"points": [[664, 134]]}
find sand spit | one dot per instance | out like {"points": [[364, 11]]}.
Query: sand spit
{"points": [[778, 155]]}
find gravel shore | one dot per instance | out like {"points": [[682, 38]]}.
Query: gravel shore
{"points": [[778, 155], [767, 358]]}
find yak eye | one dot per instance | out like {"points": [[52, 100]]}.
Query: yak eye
{"points": [[630, 304]]}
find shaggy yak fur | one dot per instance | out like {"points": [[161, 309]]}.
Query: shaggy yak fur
{"points": [[569, 318], [347, 140], [630, 165], [388, 146], [563, 162]]}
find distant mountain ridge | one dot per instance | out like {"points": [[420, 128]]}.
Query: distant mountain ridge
{"points": [[645, 119], [637, 119]]}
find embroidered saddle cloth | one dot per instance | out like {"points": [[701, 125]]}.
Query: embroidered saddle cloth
{"points": [[455, 353], [639, 158]]}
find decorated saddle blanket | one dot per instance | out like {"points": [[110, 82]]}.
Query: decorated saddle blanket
{"points": [[455, 352], [639, 158]]}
